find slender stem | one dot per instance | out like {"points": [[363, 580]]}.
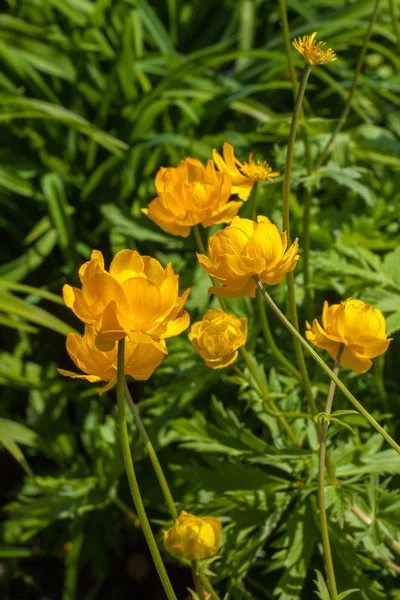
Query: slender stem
{"points": [[290, 149], [152, 455], [253, 202], [309, 163], [197, 581], [265, 395], [269, 339], [199, 241], [396, 27], [327, 370], [321, 483], [158, 471], [133, 484], [207, 586], [349, 101]]}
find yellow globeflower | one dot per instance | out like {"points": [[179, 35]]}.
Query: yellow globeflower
{"points": [[242, 175], [312, 52], [138, 298], [141, 359], [217, 337], [355, 324], [244, 249], [193, 538], [190, 194]]}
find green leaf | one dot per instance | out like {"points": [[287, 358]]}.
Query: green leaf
{"points": [[12, 433]]}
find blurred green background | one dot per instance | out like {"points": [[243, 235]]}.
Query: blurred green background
{"points": [[95, 96]]}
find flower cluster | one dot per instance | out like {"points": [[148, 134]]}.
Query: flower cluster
{"points": [[193, 538], [217, 338], [191, 194], [355, 324]]}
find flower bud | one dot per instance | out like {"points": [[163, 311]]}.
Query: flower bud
{"points": [[244, 249], [217, 337], [193, 538], [355, 324]]}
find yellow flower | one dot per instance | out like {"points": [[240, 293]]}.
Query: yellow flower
{"points": [[190, 194], [242, 175], [217, 337], [138, 298], [244, 249], [193, 538], [312, 52], [355, 324], [141, 359]]}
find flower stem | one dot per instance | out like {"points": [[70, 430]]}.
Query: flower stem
{"points": [[327, 370], [290, 149], [349, 101], [271, 344], [321, 483], [207, 586], [159, 472], [199, 241], [152, 455], [133, 484], [265, 396]]}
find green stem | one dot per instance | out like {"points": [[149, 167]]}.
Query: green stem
{"points": [[133, 484], [152, 455], [269, 339], [396, 27], [207, 586], [158, 471], [349, 101], [308, 156], [321, 483], [265, 395], [326, 369], [253, 202], [199, 241], [290, 149], [286, 227]]}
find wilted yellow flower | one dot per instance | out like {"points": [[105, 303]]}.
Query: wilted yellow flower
{"points": [[141, 359], [355, 324], [138, 298], [193, 538], [217, 337], [242, 175], [312, 52], [244, 249], [190, 194]]}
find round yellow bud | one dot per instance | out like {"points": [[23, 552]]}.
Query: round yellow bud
{"points": [[217, 337], [193, 538]]}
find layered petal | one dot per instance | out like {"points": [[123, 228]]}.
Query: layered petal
{"points": [[191, 194], [356, 325], [193, 538]]}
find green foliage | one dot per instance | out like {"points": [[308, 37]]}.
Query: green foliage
{"points": [[94, 98]]}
